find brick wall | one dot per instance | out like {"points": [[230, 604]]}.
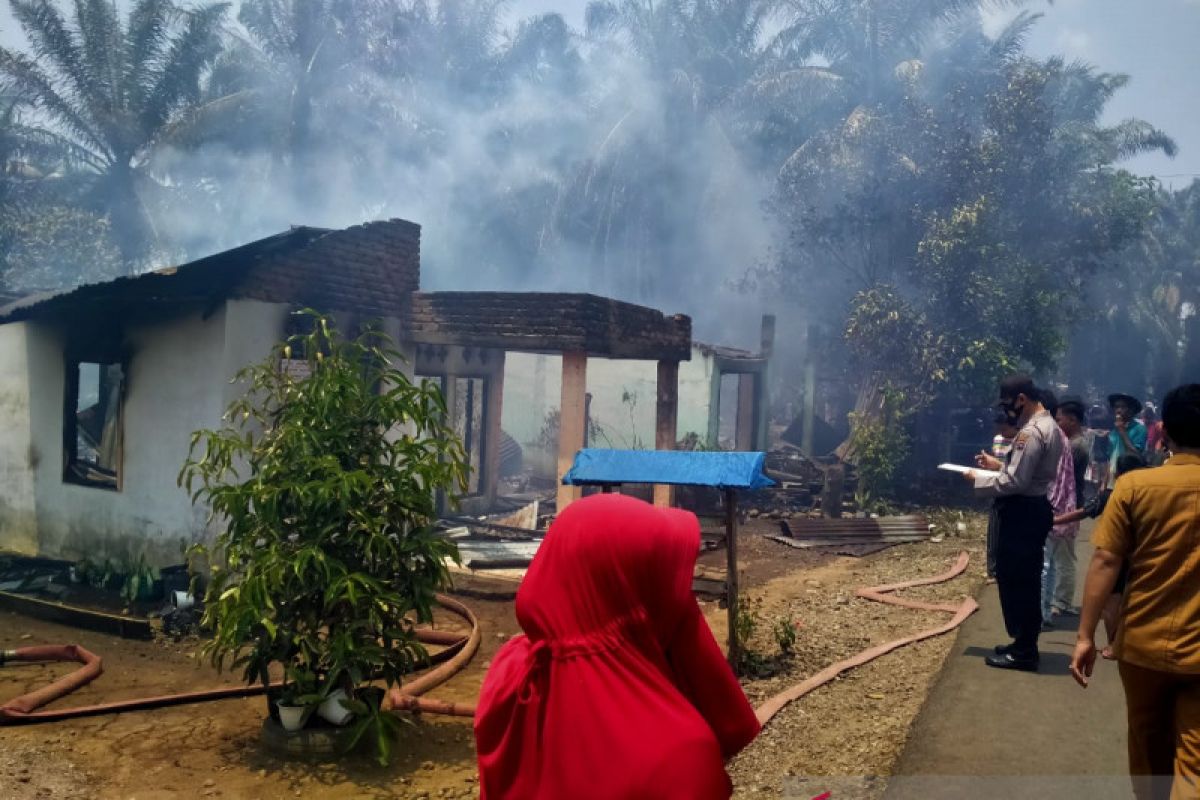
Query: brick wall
{"points": [[550, 322], [371, 269]]}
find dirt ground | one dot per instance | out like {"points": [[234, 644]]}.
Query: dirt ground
{"points": [[854, 726], [857, 724]]}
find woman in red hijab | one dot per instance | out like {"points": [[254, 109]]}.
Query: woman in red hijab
{"points": [[618, 689]]}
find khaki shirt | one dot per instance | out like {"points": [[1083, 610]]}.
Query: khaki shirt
{"points": [[1153, 521], [1032, 464]]}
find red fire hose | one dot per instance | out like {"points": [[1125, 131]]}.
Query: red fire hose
{"points": [[457, 653]]}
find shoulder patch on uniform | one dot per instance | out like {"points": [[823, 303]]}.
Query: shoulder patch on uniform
{"points": [[1019, 443]]}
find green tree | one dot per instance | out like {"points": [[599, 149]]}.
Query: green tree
{"points": [[45, 246], [1142, 322], [106, 90], [45, 241], [955, 200], [323, 485]]}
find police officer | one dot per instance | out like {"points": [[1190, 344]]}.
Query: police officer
{"points": [[1025, 517]]}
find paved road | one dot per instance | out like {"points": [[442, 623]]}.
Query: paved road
{"points": [[1013, 734]]}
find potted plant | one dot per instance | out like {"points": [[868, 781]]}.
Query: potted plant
{"points": [[323, 485], [297, 699]]}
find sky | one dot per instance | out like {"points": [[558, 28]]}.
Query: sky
{"points": [[1153, 41]]}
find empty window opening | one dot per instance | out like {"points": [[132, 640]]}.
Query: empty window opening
{"points": [[92, 428]]}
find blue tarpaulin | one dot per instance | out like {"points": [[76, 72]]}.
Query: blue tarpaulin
{"points": [[678, 468]]}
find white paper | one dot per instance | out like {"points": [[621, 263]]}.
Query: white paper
{"points": [[987, 473]]}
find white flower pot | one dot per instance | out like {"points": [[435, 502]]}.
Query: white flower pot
{"points": [[292, 717], [332, 711]]}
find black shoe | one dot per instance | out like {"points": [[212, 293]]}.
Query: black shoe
{"points": [[1002, 649], [1008, 661]]}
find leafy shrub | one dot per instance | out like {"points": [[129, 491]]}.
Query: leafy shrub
{"points": [[785, 633], [324, 480], [881, 447]]}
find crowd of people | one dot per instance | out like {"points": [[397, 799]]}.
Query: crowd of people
{"points": [[1053, 464], [1095, 444]]}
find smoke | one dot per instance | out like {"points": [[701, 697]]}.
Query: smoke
{"points": [[565, 172]]}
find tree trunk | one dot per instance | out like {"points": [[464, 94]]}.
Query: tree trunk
{"points": [[868, 406], [131, 227], [1190, 371]]}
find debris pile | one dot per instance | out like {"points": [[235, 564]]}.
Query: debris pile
{"points": [[803, 487]]}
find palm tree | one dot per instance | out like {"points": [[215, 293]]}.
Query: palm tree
{"points": [[105, 91]]}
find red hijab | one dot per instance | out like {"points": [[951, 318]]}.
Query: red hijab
{"points": [[618, 689]]}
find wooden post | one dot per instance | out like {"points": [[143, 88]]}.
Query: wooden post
{"points": [[450, 395], [469, 428], [587, 420], [747, 412], [572, 420], [831, 495], [493, 413], [714, 409], [762, 426], [666, 422], [731, 575], [810, 392]]}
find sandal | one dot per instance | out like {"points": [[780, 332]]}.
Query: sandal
{"points": [[1107, 654]]}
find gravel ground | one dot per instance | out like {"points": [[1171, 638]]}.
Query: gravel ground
{"points": [[857, 724]]}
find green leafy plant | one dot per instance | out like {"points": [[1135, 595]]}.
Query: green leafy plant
{"points": [[134, 579], [881, 445], [324, 482], [785, 633], [104, 574], [750, 661], [138, 580]]}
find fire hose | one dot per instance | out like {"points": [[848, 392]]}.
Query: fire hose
{"points": [[458, 652], [881, 594]]}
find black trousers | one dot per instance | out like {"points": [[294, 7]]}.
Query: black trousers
{"points": [[993, 523], [1022, 526]]}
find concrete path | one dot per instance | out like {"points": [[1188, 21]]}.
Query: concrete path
{"points": [[987, 733]]}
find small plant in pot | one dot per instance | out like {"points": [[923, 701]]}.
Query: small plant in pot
{"points": [[323, 482], [297, 698]]}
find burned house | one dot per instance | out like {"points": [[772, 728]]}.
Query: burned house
{"points": [[103, 385], [722, 401]]}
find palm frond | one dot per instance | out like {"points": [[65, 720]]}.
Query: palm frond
{"points": [[149, 24], [209, 122], [1010, 43], [49, 147], [1132, 137], [184, 62], [102, 43], [601, 18], [53, 41], [35, 86], [803, 86]]}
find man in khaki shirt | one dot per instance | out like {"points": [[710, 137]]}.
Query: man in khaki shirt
{"points": [[1152, 521]]}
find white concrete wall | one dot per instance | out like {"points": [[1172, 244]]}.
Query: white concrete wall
{"points": [[178, 382], [533, 385], [173, 388], [18, 509]]}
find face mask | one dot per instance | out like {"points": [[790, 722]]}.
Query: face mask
{"points": [[1011, 412]]}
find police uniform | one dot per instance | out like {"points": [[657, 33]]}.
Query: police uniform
{"points": [[1025, 518]]}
